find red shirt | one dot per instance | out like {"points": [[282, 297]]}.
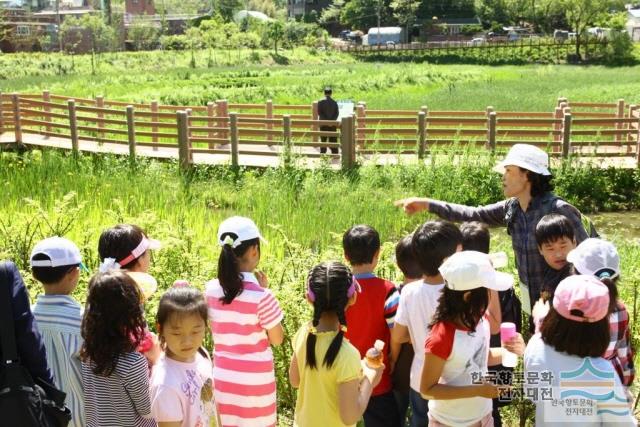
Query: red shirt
{"points": [[370, 319]]}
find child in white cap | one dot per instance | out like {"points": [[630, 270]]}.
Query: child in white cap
{"points": [[457, 349], [567, 378], [600, 258], [56, 263], [245, 319]]}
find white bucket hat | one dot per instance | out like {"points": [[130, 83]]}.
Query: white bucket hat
{"points": [[467, 270], [526, 156]]}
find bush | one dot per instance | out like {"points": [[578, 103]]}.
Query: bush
{"points": [[175, 42], [469, 30]]}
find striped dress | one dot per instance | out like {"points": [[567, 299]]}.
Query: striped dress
{"points": [[121, 399], [243, 376], [59, 318]]}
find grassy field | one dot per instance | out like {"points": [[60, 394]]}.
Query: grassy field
{"points": [[256, 77], [302, 213]]}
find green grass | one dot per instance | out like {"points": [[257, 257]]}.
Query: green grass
{"points": [[166, 76], [302, 213]]}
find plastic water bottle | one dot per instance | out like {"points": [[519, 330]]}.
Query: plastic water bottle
{"points": [[508, 331], [374, 355]]}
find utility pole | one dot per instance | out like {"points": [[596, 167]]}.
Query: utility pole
{"points": [[58, 22], [379, 11]]}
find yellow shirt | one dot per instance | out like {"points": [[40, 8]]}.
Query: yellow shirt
{"points": [[317, 403]]}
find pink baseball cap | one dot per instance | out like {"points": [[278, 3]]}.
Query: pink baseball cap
{"points": [[582, 298]]}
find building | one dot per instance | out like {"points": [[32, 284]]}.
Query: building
{"points": [[304, 9], [633, 23]]}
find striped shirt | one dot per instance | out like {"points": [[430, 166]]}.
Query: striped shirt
{"points": [[121, 399], [243, 372], [58, 318]]}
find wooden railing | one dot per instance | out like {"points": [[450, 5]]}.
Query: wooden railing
{"points": [[284, 131]]}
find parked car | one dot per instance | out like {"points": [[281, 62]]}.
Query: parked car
{"points": [[477, 41], [560, 35]]}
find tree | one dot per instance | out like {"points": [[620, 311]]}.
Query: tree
{"points": [[194, 40], [363, 14], [581, 14], [143, 34], [405, 12], [275, 33], [331, 14]]}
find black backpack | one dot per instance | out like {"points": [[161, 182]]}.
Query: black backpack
{"points": [[23, 401]]}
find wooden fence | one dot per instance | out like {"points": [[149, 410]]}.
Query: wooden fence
{"points": [[232, 131]]}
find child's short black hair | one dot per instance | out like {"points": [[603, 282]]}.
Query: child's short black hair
{"points": [[406, 259], [434, 241], [552, 227], [50, 275], [360, 244], [475, 236]]}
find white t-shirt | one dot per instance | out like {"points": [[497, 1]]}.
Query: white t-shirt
{"points": [[418, 304], [466, 355], [183, 391], [561, 386]]}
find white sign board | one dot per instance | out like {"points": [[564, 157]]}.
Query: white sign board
{"points": [[345, 108]]}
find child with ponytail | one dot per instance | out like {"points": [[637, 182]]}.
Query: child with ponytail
{"points": [[245, 318], [325, 367]]}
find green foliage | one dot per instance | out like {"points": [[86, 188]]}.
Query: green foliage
{"points": [[301, 212], [275, 33], [362, 14], [470, 30], [143, 34]]}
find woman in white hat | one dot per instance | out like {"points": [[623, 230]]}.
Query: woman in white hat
{"points": [[526, 183]]}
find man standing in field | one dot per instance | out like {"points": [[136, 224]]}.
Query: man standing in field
{"points": [[328, 110]]}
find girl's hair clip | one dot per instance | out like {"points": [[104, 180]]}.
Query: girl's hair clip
{"points": [[108, 264], [313, 330], [229, 241], [181, 284], [343, 328], [354, 287]]}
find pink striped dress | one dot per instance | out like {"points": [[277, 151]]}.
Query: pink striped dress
{"points": [[243, 376]]}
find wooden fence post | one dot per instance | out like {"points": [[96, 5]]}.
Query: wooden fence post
{"points": [[100, 116], [361, 114], [630, 136], [46, 97], [73, 127], [425, 110], [184, 154], [233, 124], [1, 115], [557, 126], [562, 100], [492, 130], [566, 134], [269, 115], [131, 134], [314, 116], [211, 112], [154, 127], [422, 126], [637, 108], [16, 118], [222, 110], [286, 139], [489, 110], [620, 115], [346, 141]]}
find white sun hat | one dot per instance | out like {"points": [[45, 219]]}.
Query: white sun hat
{"points": [[526, 156], [467, 270]]}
